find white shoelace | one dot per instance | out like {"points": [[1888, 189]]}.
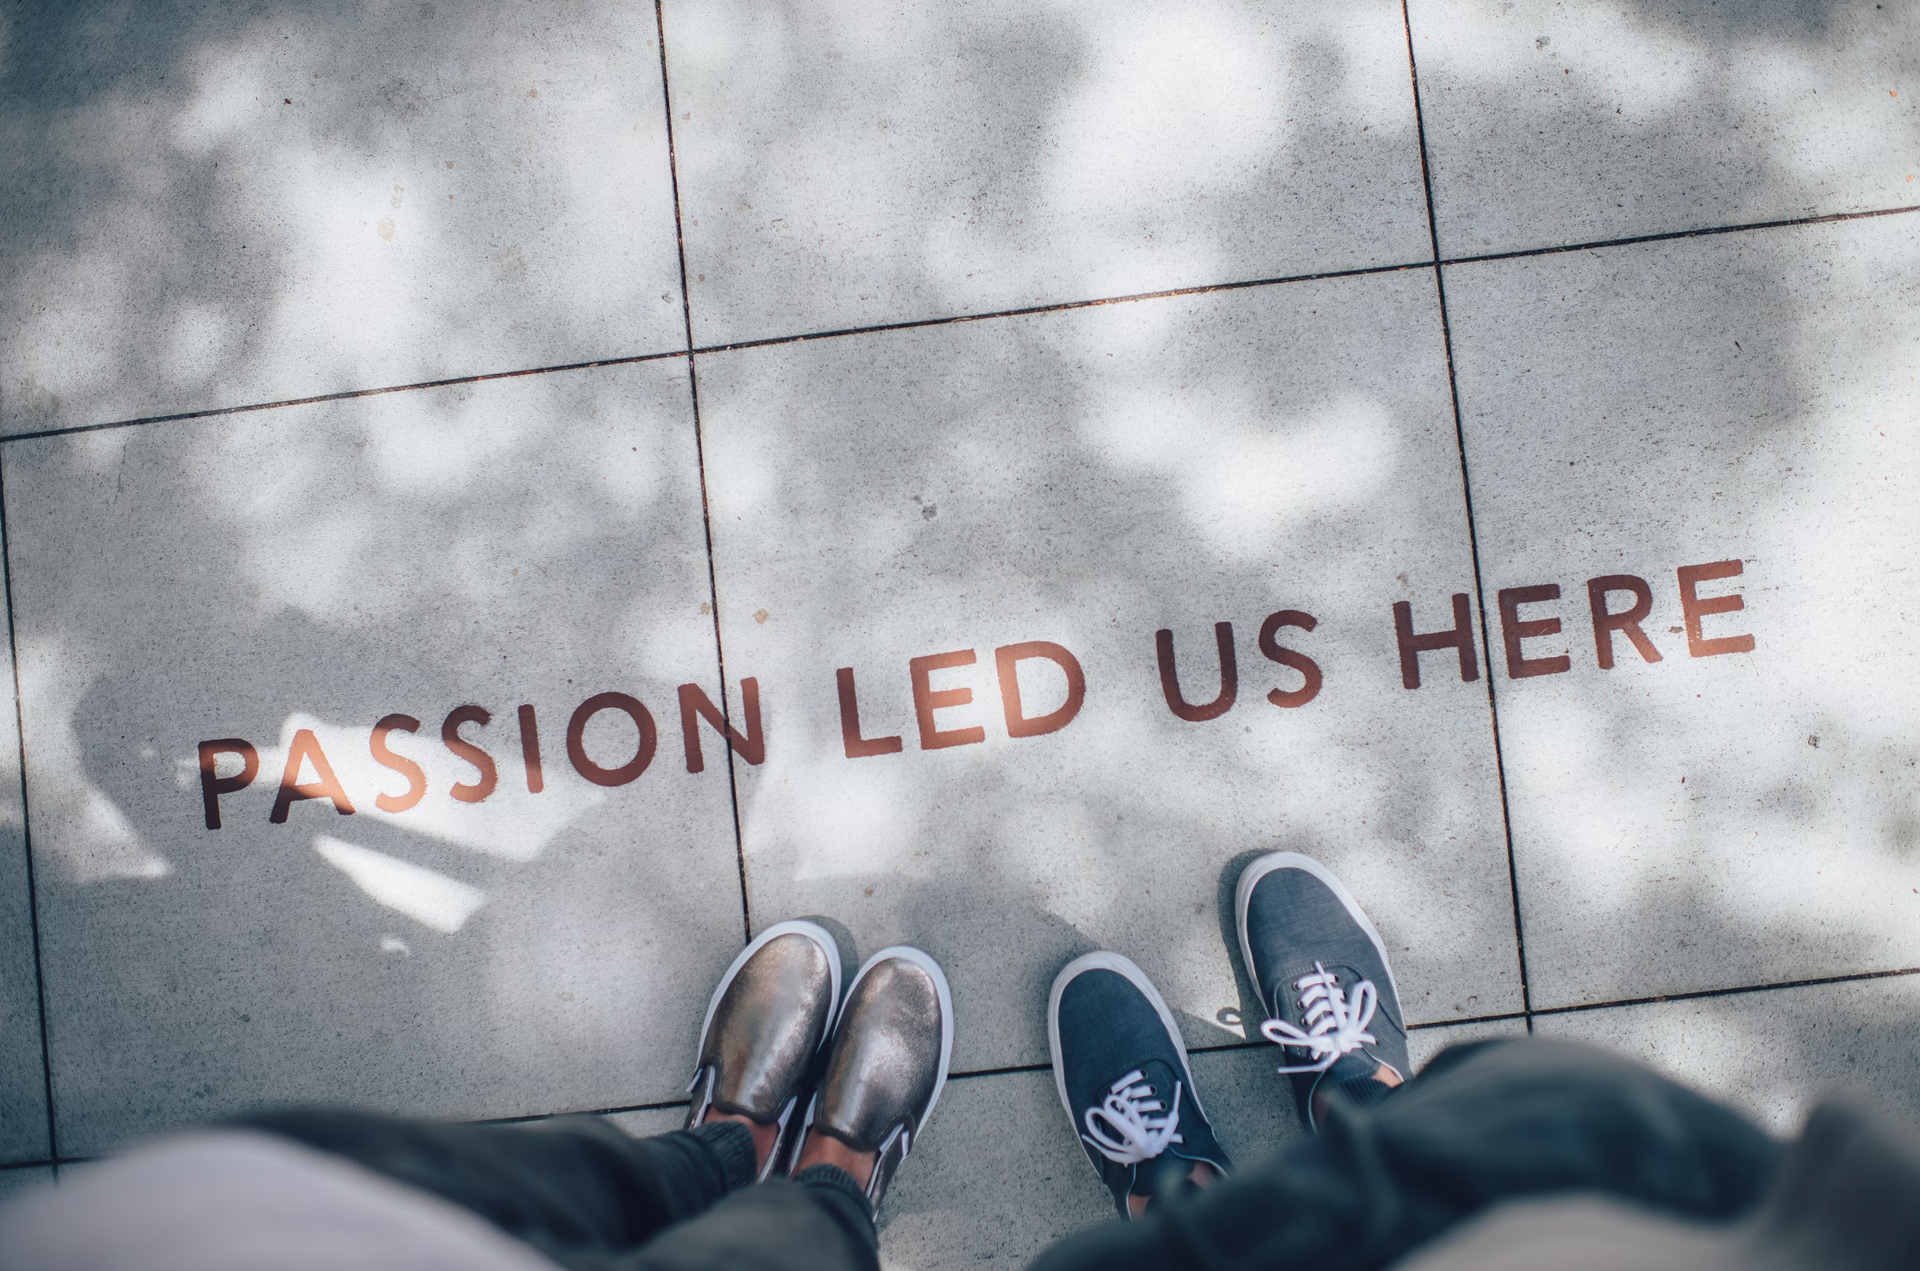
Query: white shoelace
{"points": [[1335, 1026], [1130, 1134]]}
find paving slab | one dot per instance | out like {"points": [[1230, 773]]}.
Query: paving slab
{"points": [[1085, 480], [843, 165], [234, 202], [1774, 1054], [288, 578], [1550, 123], [1732, 417], [23, 1077]]}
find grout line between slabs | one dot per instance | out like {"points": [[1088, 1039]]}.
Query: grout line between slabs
{"points": [[26, 827], [1579, 1008], [48, 1163], [586, 1112], [344, 395], [1322, 276], [1666, 236], [1228, 1047], [700, 454], [1528, 1016], [956, 319], [1702, 994], [1018, 1069], [1200, 289], [1473, 536]]}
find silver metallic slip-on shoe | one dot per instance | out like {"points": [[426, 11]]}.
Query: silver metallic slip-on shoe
{"points": [[888, 1062], [769, 1018]]}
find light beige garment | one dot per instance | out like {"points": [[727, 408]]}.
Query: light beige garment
{"points": [[240, 1201]]}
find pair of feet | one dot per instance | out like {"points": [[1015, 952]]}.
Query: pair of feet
{"points": [[1319, 970], [818, 1080], [822, 1082]]}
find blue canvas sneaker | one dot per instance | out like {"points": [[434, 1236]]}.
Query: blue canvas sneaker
{"points": [[1121, 1070], [1320, 970]]}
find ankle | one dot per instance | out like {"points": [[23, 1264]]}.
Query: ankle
{"points": [[764, 1136], [1202, 1175], [1383, 1074], [823, 1149]]}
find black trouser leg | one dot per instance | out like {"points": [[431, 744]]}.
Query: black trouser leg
{"points": [[818, 1222], [1481, 1125], [590, 1197], [574, 1187]]}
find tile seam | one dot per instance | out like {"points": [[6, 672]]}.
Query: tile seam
{"points": [[26, 828], [532, 1117], [1473, 534], [1229, 1047], [1667, 236], [1464, 1021], [344, 395], [958, 319], [1019, 1069], [1288, 279], [1168, 293], [700, 456], [1226, 1047], [1697, 995]]}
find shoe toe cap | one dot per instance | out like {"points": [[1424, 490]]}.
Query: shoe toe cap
{"points": [[768, 1026], [887, 1057]]}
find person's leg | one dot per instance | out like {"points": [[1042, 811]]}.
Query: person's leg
{"points": [[575, 1188], [590, 1197], [1501, 1122], [884, 1072], [593, 1199], [819, 1220], [579, 1190]]}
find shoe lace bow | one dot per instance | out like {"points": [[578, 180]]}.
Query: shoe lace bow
{"points": [[1121, 1127], [1335, 1024]]}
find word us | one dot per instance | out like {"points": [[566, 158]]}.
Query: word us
{"points": [[695, 706]]}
